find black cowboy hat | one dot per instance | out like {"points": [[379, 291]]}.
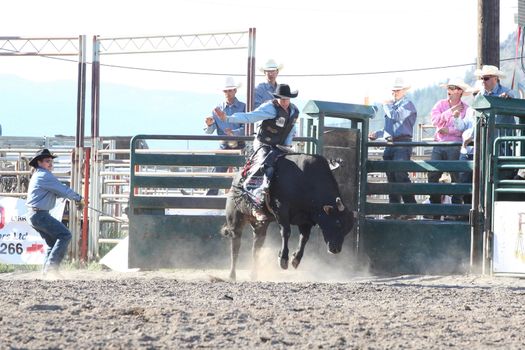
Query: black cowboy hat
{"points": [[283, 91], [43, 153]]}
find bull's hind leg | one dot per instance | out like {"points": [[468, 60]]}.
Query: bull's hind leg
{"points": [[235, 247], [303, 238], [259, 236], [234, 222]]}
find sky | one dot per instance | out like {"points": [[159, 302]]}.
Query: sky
{"points": [[308, 37]]}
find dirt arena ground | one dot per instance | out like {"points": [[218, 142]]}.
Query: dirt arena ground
{"points": [[172, 309]]}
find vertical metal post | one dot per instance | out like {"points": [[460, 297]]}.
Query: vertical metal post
{"points": [[85, 226], [314, 148], [76, 161], [95, 198], [309, 133], [320, 134], [362, 186], [95, 88], [95, 122], [475, 218], [250, 76], [489, 190], [81, 92]]}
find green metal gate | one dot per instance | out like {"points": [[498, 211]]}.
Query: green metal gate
{"points": [[500, 155], [424, 246], [189, 236]]}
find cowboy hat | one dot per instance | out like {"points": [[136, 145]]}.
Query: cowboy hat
{"points": [[41, 154], [229, 84], [270, 65], [489, 70], [283, 91], [467, 89], [400, 84]]}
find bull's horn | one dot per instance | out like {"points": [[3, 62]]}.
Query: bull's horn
{"points": [[327, 209], [340, 205]]}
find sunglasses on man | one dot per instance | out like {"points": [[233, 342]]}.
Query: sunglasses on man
{"points": [[487, 77]]}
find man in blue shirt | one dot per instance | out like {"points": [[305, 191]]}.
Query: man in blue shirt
{"points": [[490, 77], [44, 189], [264, 91], [229, 106], [400, 118]]}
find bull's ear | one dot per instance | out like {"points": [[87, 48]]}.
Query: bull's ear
{"points": [[327, 209], [340, 205]]}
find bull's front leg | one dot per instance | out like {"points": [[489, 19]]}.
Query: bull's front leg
{"points": [[259, 236], [303, 238], [283, 253]]}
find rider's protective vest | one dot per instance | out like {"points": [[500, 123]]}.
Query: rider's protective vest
{"points": [[274, 131]]}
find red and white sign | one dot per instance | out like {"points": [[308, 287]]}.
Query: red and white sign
{"points": [[19, 242]]}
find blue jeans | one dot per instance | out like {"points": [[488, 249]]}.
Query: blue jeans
{"points": [[444, 153], [56, 235], [398, 153]]}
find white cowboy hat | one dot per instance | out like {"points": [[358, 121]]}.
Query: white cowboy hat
{"points": [[271, 65], [400, 84], [229, 84], [467, 89], [489, 70]]}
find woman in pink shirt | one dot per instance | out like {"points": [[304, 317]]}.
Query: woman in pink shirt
{"points": [[443, 114]]}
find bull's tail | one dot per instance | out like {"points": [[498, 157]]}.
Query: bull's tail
{"points": [[226, 231]]}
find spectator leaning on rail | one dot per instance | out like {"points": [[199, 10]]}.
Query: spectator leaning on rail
{"points": [[443, 115], [467, 126], [490, 77], [400, 118], [229, 106], [44, 188], [277, 128], [264, 91]]}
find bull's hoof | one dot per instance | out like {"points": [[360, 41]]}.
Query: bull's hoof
{"points": [[283, 260], [283, 263], [233, 276], [295, 262]]}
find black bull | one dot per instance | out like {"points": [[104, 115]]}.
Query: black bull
{"points": [[304, 193]]}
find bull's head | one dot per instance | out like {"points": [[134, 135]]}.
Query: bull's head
{"points": [[335, 221]]}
